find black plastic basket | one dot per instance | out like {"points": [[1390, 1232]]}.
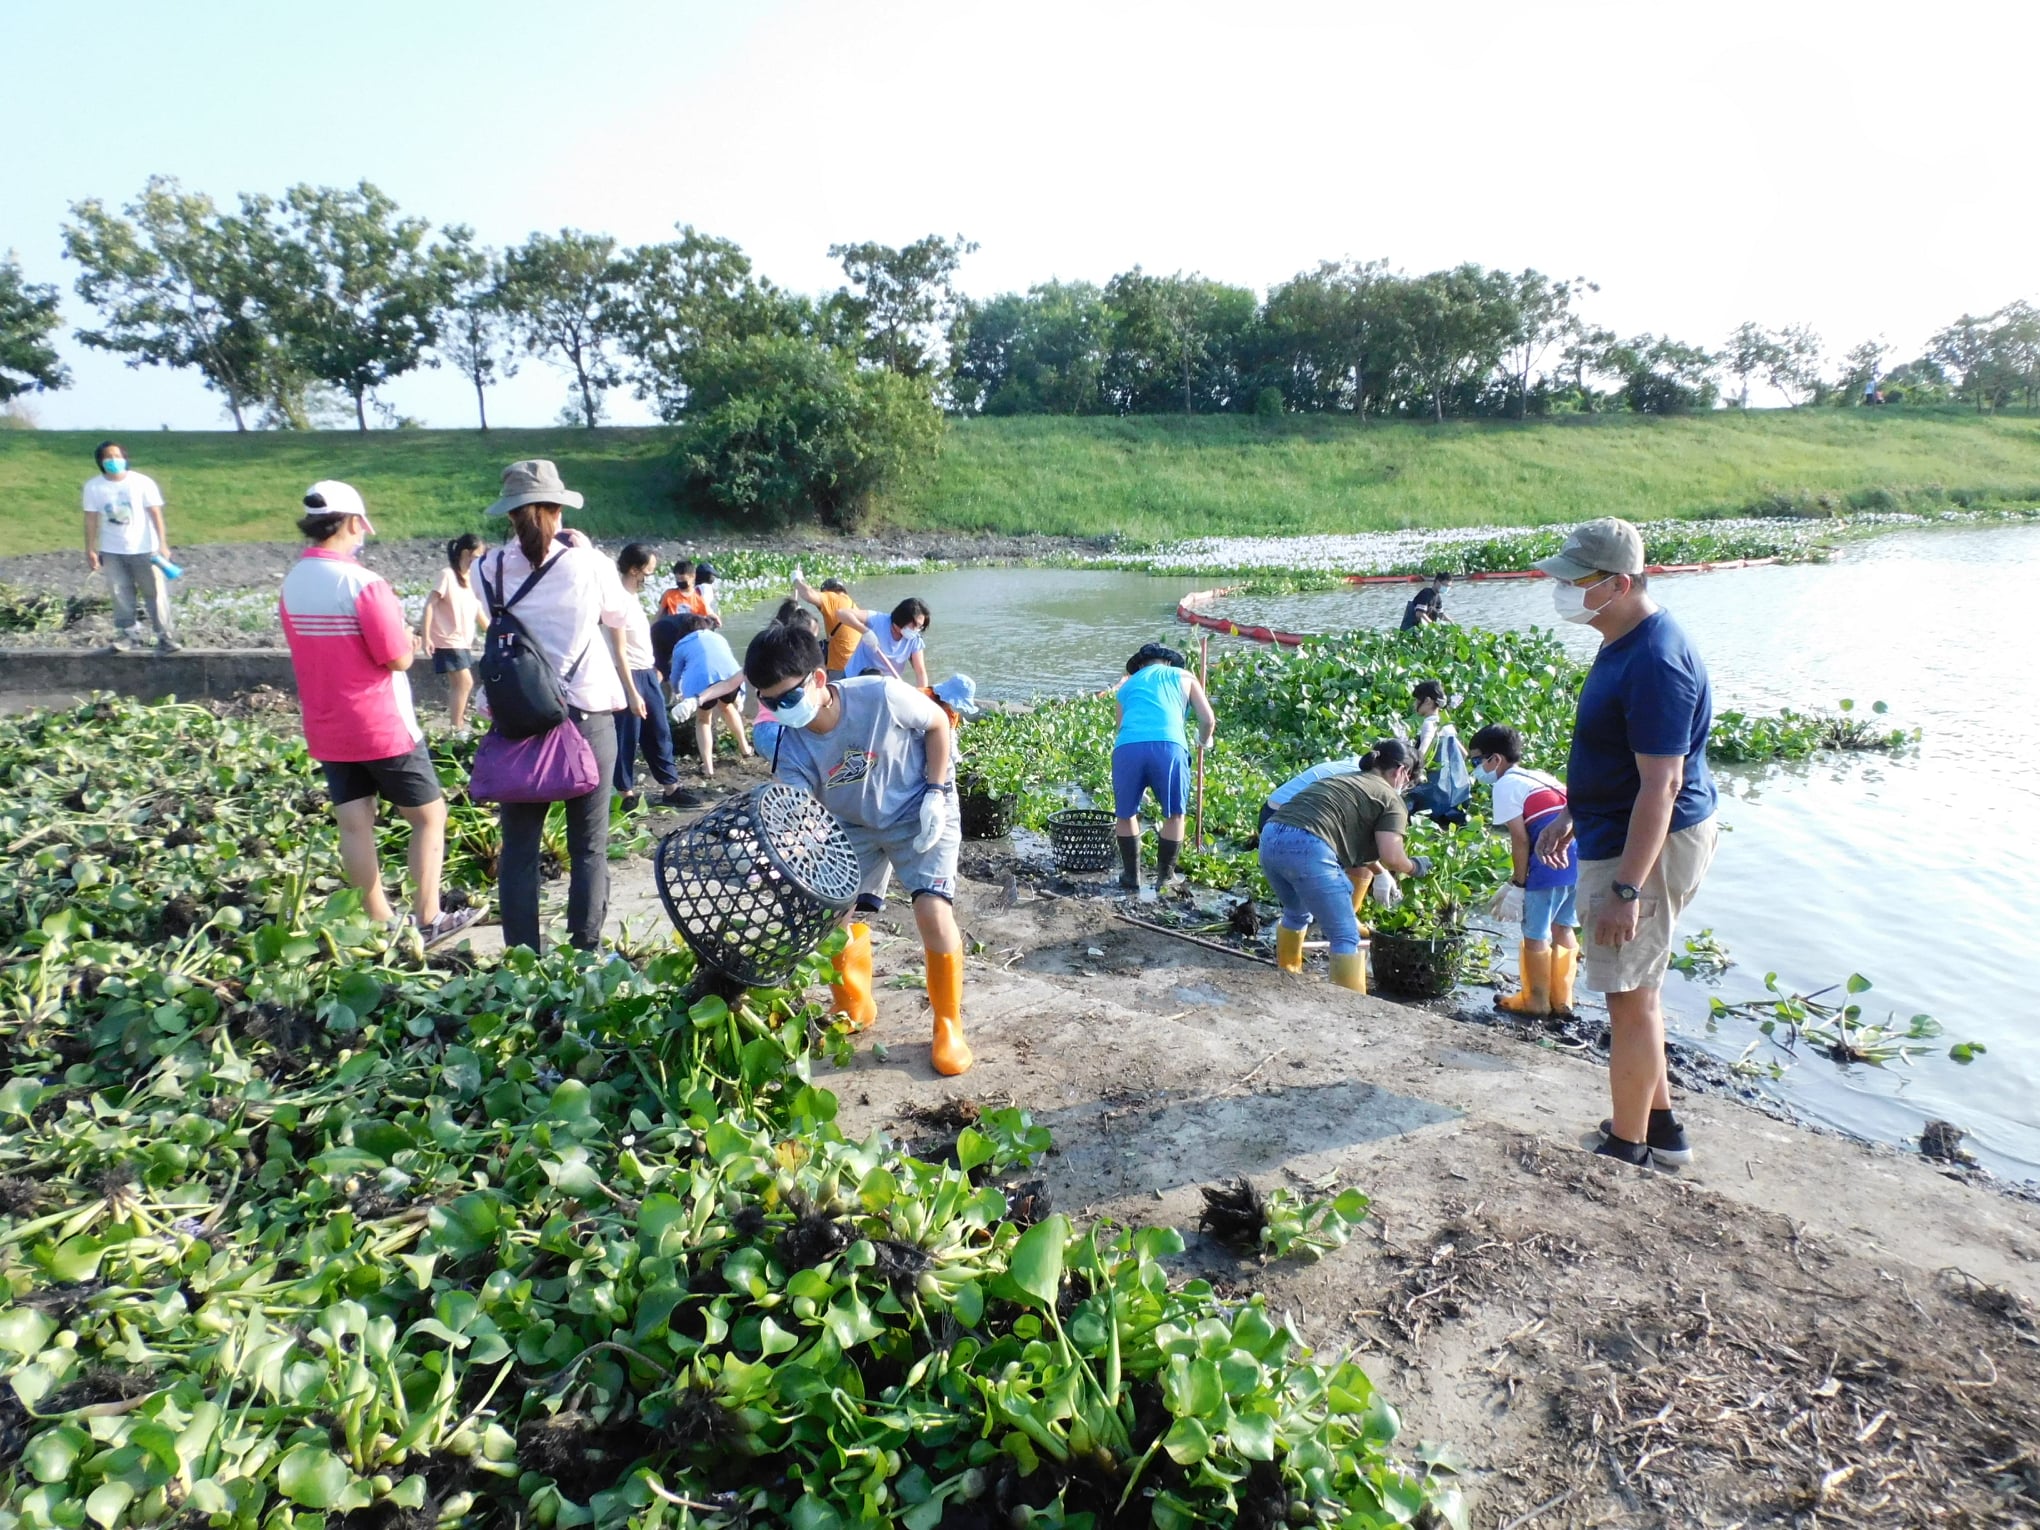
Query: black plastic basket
{"points": [[1081, 839], [986, 816], [754, 885], [1416, 969]]}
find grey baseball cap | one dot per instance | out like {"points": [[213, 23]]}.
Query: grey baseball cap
{"points": [[533, 482], [1606, 546]]}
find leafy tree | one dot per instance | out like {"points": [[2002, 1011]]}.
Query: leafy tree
{"points": [[1793, 364], [28, 317], [682, 295], [782, 426], [1661, 375], [474, 334], [900, 298], [1750, 351], [1860, 370], [1332, 334], [179, 283], [1037, 352], [365, 290], [563, 292], [1544, 318], [1176, 340], [1456, 324]]}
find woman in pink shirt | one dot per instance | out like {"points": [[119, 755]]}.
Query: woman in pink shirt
{"points": [[350, 646]]}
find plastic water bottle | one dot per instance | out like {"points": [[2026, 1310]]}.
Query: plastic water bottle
{"points": [[170, 570]]}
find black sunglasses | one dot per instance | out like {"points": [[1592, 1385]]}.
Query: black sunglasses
{"points": [[773, 703]]}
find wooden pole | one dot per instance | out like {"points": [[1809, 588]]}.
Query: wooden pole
{"points": [[1203, 679]]}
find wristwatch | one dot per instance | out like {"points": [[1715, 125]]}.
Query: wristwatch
{"points": [[1626, 892]]}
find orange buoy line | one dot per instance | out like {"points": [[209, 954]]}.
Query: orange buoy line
{"points": [[1187, 608]]}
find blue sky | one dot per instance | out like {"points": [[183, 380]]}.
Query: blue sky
{"points": [[1854, 166]]}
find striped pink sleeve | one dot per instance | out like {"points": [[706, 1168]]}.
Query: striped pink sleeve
{"points": [[383, 629]]}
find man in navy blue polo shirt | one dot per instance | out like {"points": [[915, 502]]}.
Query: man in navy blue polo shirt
{"points": [[1641, 811]]}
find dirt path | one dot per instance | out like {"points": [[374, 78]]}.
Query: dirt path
{"points": [[1797, 1329]]}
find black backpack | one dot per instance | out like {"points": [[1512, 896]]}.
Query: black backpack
{"points": [[527, 696]]}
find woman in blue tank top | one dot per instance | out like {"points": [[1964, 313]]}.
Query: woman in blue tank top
{"points": [[1150, 752]]}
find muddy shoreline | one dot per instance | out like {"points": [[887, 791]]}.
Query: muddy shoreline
{"points": [[1798, 1328]]}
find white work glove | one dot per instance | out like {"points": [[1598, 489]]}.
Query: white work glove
{"points": [[796, 578], [1507, 907], [1384, 890], [684, 708], [934, 819]]}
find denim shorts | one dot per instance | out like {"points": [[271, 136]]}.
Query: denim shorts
{"points": [[1155, 766], [446, 660], [1544, 907]]}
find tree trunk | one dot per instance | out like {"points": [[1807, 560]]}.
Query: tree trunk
{"points": [[481, 404], [234, 408], [360, 410], [587, 399], [1186, 383]]}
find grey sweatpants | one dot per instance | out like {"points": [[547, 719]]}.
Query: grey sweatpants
{"points": [[517, 875], [132, 575]]}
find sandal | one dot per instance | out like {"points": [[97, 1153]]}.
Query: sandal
{"points": [[451, 922]]}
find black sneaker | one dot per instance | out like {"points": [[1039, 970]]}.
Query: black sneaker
{"points": [[1666, 1141], [1633, 1153], [168, 645]]}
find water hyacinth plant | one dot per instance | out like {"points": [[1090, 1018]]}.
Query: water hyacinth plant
{"points": [[299, 1227]]}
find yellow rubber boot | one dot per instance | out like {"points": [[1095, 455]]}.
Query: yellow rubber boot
{"points": [[1288, 948], [950, 1052], [851, 992], [1350, 972], [1565, 966], [1533, 996]]}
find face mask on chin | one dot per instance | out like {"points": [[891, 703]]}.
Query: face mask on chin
{"points": [[1570, 600]]}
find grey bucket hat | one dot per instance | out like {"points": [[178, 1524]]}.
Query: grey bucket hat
{"points": [[1606, 546], [533, 482]]}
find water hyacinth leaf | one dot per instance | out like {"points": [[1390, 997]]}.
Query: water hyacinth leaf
{"points": [[1187, 1441], [108, 1502], [1858, 983], [1252, 1435], [20, 1096], [774, 1340], [1037, 1262], [50, 1456], [1966, 1051], [24, 1331], [972, 1149]]}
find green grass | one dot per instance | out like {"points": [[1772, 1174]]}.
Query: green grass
{"points": [[1156, 478], [1150, 479]]}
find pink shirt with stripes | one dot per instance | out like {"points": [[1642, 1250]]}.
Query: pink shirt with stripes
{"points": [[345, 626]]}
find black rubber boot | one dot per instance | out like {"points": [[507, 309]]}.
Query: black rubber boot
{"points": [[1129, 862], [1166, 851]]}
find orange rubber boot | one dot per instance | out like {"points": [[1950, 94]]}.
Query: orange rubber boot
{"points": [[851, 992], [1533, 995], [950, 1052], [1565, 966]]}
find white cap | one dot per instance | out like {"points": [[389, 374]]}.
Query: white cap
{"points": [[329, 496]]}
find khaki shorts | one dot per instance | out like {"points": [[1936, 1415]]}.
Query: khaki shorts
{"points": [[1680, 868], [882, 852]]}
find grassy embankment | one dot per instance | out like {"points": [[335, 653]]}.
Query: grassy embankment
{"points": [[1150, 479]]}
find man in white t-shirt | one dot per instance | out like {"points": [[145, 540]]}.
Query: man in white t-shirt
{"points": [[124, 537]]}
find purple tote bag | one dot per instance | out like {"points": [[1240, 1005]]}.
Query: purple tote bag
{"points": [[547, 767]]}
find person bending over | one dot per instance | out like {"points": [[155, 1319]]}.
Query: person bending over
{"points": [[1150, 753], [1323, 848], [876, 753], [1526, 801], [705, 678], [894, 646]]}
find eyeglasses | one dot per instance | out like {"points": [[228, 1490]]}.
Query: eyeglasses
{"points": [[792, 694]]}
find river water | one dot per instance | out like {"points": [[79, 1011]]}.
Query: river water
{"points": [[1913, 870]]}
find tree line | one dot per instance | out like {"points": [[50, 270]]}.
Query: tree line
{"points": [[294, 307]]}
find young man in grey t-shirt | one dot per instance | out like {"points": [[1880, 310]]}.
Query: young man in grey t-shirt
{"points": [[876, 753]]}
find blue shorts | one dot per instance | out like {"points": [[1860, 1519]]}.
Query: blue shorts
{"points": [[1157, 766], [446, 660], [1544, 907]]}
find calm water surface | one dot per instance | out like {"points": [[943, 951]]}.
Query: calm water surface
{"points": [[1917, 871]]}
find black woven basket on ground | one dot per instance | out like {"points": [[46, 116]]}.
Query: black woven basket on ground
{"points": [[754, 885], [1416, 969], [986, 816], [1081, 839]]}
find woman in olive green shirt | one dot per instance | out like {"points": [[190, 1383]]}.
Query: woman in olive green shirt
{"points": [[1313, 849]]}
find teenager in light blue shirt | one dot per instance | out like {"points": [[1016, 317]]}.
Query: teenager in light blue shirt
{"points": [[1151, 753]]}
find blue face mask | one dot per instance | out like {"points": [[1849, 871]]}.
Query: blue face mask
{"points": [[1485, 776], [113, 467], [795, 709]]}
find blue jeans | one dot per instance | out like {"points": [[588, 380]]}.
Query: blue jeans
{"points": [[1311, 884], [654, 735]]}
